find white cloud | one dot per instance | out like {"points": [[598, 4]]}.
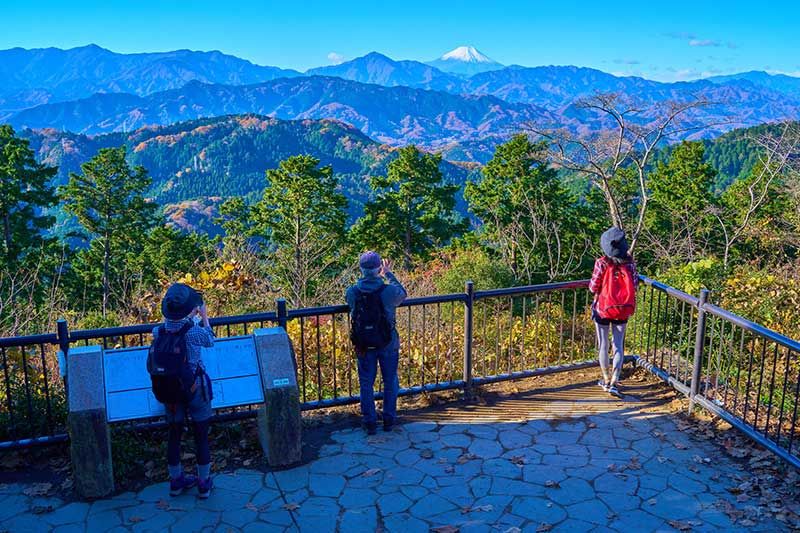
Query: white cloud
{"points": [[335, 58], [703, 42]]}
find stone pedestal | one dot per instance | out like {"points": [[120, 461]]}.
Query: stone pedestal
{"points": [[90, 439], [279, 423]]}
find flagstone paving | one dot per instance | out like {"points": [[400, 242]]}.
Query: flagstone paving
{"points": [[602, 465]]}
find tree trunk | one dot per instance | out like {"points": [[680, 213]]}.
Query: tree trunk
{"points": [[300, 281], [7, 235], [106, 261]]}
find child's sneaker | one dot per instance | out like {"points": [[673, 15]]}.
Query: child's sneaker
{"points": [[180, 484], [603, 385], [204, 487]]}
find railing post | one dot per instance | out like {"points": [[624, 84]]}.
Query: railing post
{"points": [[469, 289], [699, 343], [282, 314], [62, 332]]}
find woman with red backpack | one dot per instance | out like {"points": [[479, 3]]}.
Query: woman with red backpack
{"points": [[614, 283]]}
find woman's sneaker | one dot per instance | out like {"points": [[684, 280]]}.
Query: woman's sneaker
{"points": [[602, 384], [204, 487], [614, 391], [180, 484]]}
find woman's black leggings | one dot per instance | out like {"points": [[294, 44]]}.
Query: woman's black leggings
{"points": [[200, 442]]}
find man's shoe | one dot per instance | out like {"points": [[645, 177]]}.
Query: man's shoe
{"points": [[372, 428], [180, 484], [388, 426], [204, 487]]}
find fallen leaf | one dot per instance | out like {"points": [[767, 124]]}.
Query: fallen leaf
{"points": [[661, 459], [163, 505], [747, 522], [135, 519], [519, 460], [592, 425], [680, 445], [552, 484], [67, 484], [449, 469], [38, 489], [651, 501], [247, 462], [42, 509], [371, 472], [251, 506], [427, 453], [463, 458], [544, 526], [445, 529], [680, 526], [291, 506]]}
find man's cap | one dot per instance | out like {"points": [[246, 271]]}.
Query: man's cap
{"points": [[370, 260], [180, 300]]}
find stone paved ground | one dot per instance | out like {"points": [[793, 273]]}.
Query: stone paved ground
{"points": [[566, 459]]}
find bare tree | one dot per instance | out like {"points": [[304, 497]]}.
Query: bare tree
{"points": [[534, 231], [777, 155], [631, 134]]}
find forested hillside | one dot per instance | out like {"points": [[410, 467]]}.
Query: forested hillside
{"points": [[227, 156]]}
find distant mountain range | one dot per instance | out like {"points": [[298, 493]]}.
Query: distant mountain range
{"points": [[393, 115], [40, 76], [438, 105]]}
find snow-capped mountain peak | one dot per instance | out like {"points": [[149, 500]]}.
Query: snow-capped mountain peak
{"points": [[467, 54], [465, 61]]}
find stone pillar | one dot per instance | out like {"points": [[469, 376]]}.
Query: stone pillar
{"points": [[89, 436], [279, 423]]}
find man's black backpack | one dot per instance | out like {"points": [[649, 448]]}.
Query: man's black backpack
{"points": [[168, 365], [370, 328]]}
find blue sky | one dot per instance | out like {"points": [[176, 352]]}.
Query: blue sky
{"points": [[659, 40]]}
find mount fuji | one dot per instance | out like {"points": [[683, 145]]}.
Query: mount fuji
{"points": [[465, 61]]}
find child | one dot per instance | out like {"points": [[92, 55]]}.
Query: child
{"points": [[181, 383], [614, 283]]}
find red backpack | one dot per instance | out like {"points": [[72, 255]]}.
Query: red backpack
{"points": [[617, 298]]}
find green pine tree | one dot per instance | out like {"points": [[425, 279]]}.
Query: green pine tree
{"points": [[108, 200], [301, 216], [413, 211], [25, 191]]}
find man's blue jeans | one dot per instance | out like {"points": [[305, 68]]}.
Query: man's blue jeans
{"points": [[388, 359]]}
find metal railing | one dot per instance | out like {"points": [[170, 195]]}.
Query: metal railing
{"points": [[737, 369]]}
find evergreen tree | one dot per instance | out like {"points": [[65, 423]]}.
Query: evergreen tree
{"points": [[413, 210], [24, 192], [108, 200], [528, 216], [302, 216], [678, 222]]}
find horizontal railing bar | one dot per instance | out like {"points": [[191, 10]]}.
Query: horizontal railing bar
{"points": [[37, 441], [752, 327], [532, 289], [661, 374], [88, 334], [343, 308], [28, 340], [671, 291], [409, 391]]}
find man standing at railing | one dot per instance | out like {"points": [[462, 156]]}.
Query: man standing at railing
{"points": [[373, 332], [614, 283]]}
